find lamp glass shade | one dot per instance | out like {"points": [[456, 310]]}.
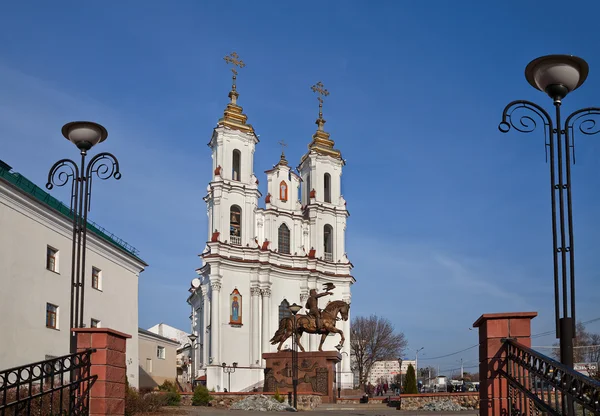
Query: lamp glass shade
{"points": [[338, 347], [295, 308], [235, 365], [566, 70], [223, 365], [84, 134], [192, 337]]}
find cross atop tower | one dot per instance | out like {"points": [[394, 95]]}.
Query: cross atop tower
{"points": [[283, 145], [320, 89], [234, 59]]}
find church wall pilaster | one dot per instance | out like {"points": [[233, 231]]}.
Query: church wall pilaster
{"points": [[215, 326], [255, 300], [266, 318], [204, 328]]}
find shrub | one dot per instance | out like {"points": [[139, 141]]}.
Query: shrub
{"points": [[201, 396], [136, 403], [172, 396], [278, 396]]}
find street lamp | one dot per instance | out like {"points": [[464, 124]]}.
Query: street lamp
{"points": [[295, 309], [229, 369], [193, 346], [400, 372], [557, 75], [84, 135], [417, 363]]}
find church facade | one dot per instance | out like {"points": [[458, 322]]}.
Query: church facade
{"points": [[259, 259]]}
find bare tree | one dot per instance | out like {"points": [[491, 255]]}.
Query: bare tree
{"points": [[373, 339], [585, 346]]}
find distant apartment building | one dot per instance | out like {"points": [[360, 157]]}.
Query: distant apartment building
{"points": [[158, 359], [35, 275], [184, 351], [386, 371]]}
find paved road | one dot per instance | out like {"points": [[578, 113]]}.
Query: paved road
{"points": [[205, 411]]}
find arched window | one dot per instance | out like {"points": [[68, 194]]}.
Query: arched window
{"points": [[235, 225], [328, 242], [283, 191], [284, 311], [235, 169], [327, 185], [283, 241]]}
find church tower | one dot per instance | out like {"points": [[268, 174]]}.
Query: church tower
{"points": [[258, 260], [325, 207]]}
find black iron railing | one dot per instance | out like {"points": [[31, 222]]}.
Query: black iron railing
{"points": [[539, 385], [58, 386]]}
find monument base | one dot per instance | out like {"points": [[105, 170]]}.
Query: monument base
{"points": [[316, 373]]}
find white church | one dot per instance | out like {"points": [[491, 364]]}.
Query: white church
{"points": [[260, 259]]}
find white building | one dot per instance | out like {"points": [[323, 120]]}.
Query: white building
{"points": [[172, 333], [183, 349], [35, 274], [386, 371], [258, 260]]}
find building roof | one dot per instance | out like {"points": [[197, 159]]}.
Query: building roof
{"points": [[156, 336], [21, 182]]}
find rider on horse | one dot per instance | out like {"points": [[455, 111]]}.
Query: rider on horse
{"points": [[312, 306]]}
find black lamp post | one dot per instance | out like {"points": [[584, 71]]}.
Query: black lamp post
{"points": [[557, 75], [84, 135], [295, 309], [400, 372], [193, 347], [339, 384], [229, 369]]}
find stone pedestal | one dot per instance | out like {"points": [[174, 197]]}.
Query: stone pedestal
{"points": [[316, 373]]}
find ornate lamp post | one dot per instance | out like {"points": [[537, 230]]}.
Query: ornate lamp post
{"points": [[295, 309], [557, 76], [400, 372], [229, 369], [84, 135], [193, 345]]}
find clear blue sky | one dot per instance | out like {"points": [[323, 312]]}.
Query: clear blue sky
{"points": [[449, 218]]}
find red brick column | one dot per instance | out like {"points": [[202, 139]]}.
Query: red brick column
{"points": [[107, 394], [493, 327]]}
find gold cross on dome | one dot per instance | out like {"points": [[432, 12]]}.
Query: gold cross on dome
{"points": [[283, 145], [234, 59], [320, 89]]}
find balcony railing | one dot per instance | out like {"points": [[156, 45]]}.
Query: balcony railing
{"points": [[236, 240], [328, 257]]}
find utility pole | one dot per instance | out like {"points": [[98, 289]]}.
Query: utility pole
{"points": [[461, 369]]}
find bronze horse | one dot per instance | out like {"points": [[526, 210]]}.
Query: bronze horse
{"points": [[304, 323]]}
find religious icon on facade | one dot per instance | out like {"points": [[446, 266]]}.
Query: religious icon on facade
{"points": [[235, 314], [283, 191]]}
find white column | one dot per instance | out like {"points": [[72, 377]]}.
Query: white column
{"points": [[266, 319], [255, 325], [347, 376], [203, 327], [215, 326]]}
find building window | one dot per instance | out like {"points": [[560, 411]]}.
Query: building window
{"points": [[283, 191], [96, 278], [52, 259], [51, 316], [283, 241], [235, 225], [160, 352], [235, 170], [149, 365], [328, 242], [284, 310], [327, 186], [95, 323]]}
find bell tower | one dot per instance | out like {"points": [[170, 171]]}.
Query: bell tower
{"points": [[321, 173], [233, 192]]}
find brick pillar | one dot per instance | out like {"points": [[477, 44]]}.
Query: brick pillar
{"points": [[493, 327], [107, 394]]}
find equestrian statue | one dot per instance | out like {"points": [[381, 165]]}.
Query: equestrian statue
{"points": [[315, 321]]}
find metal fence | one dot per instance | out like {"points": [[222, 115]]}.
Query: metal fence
{"points": [[57, 386], [539, 385]]}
